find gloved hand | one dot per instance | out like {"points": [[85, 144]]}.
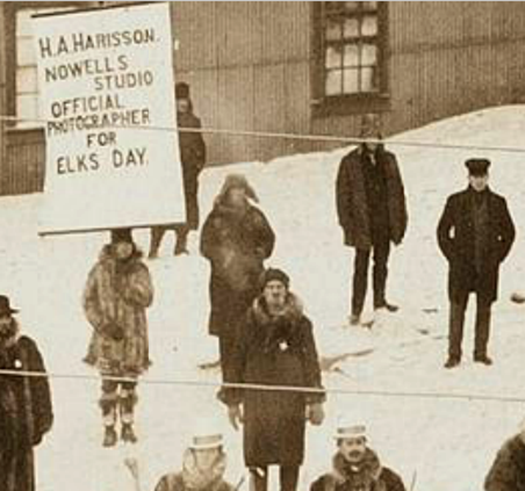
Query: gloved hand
{"points": [[114, 331], [315, 413], [235, 415]]}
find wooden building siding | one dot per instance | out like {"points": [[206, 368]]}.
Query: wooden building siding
{"points": [[251, 66]]}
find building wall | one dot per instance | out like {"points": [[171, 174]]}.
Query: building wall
{"points": [[250, 66]]}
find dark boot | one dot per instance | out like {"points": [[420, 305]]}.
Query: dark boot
{"points": [[128, 434], [452, 362], [181, 244], [110, 437]]}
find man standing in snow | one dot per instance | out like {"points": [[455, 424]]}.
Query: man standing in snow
{"points": [[236, 238], [475, 234], [116, 296], [356, 467], [508, 470], [372, 212], [275, 346], [193, 159], [26, 413]]}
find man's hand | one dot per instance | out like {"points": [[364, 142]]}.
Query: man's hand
{"points": [[114, 331], [315, 413], [235, 415]]}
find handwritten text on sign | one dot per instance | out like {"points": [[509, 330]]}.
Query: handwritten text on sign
{"points": [[105, 76]]}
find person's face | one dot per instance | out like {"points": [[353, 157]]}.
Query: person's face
{"points": [[353, 449], [123, 250], [183, 105], [237, 196], [275, 294], [206, 457], [370, 134], [6, 326], [479, 183]]}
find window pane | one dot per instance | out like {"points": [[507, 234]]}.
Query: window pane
{"points": [[351, 55], [369, 6], [27, 108], [333, 82], [368, 80], [26, 80], [368, 54], [333, 31], [369, 27], [334, 57], [352, 6], [351, 28], [351, 81], [25, 52]]}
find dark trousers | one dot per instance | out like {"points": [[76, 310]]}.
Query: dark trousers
{"points": [[118, 399], [457, 321], [226, 347], [288, 476], [381, 253], [157, 233]]}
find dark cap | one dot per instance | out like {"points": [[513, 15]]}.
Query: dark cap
{"points": [[121, 235], [478, 167], [274, 274], [5, 306], [182, 90]]}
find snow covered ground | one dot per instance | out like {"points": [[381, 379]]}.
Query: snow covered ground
{"points": [[445, 444]]}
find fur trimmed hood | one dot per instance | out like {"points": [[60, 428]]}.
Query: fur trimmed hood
{"points": [[293, 310], [107, 253]]}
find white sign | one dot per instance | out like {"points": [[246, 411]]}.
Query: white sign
{"points": [[107, 94]]}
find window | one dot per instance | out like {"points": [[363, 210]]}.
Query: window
{"points": [[351, 50], [26, 82]]}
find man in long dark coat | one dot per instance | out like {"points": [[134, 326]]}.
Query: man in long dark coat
{"points": [[275, 347], [475, 234], [356, 467], [236, 238], [507, 473], [372, 212], [26, 413], [193, 159]]}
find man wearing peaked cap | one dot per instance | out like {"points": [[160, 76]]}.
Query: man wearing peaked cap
{"points": [[26, 412], [355, 466], [475, 234], [372, 212]]}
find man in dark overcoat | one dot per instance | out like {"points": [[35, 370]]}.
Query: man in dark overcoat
{"points": [[275, 346], [507, 472], [236, 238], [193, 159], [475, 234], [26, 413], [372, 212]]}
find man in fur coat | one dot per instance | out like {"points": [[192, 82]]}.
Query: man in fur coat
{"points": [[356, 467], [236, 239], [116, 296], [275, 346], [26, 413], [372, 212], [508, 470]]}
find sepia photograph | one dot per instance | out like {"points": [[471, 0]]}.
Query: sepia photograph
{"points": [[262, 246]]}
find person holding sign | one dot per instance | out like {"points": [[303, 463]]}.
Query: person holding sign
{"points": [[117, 294], [193, 159]]}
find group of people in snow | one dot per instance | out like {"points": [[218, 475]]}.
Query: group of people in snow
{"points": [[265, 338], [475, 234]]}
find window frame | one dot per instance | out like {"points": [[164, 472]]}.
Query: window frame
{"points": [[347, 104], [11, 51]]}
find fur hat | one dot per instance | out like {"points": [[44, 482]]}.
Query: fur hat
{"points": [[274, 274], [121, 235], [182, 90], [236, 181], [5, 306]]}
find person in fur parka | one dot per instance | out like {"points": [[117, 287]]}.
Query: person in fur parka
{"points": [[116, 296], [236, 239], [275, 346]]}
